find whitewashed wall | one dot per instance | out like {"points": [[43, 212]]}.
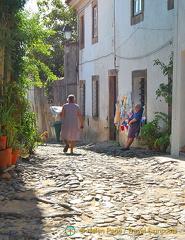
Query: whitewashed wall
{"points": [[178, 113], [139, 45], [136, 48]]}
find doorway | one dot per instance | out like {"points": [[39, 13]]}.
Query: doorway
{"points": [[112, 106], [139, 88]]}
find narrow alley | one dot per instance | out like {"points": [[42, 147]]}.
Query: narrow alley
{"points": [[97, 193]]}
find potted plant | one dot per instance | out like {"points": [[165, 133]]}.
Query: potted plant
{"points": [[8, 131], [3, 138], [156, 134], [16, 148], [163, 142], [28, 134], [149, 133]]}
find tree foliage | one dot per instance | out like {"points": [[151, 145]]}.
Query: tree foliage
{"points": [[8, 8], [36, 50], [55, 15], [31, 48], [22, 49]]}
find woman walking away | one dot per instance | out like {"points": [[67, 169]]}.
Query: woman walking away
{"points": [[71, 115]]}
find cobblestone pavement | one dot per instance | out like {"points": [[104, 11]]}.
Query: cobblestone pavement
{"points": [[97, 193]]}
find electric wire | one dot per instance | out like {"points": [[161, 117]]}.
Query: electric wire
{"points": [[125, 57], [149, 53], [152, 29], [130, 58]]}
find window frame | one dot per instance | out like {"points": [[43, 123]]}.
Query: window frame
{"points": [[82, 96], [170, 4], [139, 17], [94, 22], [95, 96], [139, 5], [81, 30], [139, 77]]}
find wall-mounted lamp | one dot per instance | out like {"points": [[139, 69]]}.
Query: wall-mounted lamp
{"points": [[67, 30]]}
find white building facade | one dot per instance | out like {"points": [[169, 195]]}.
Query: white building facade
{"points": [[178, 113], [118, 43]]}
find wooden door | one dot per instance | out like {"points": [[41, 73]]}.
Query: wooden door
{"points": [[112, 106]]}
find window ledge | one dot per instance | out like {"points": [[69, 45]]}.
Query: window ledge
{"points": [[137, 18], [94, 40]]}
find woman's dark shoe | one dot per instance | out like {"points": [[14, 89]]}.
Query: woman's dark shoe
{"points": [[66, 148], [125, 149]]}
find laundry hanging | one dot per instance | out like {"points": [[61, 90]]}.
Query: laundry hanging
{"points": [[123, 111]]}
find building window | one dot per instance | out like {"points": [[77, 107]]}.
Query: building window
{"points": [[137, 11], [139, 88], [82, 97], [94, 22], [142, 91], [81, 30], [170, 4], [137, 7], [95, 96], [95, 30]]}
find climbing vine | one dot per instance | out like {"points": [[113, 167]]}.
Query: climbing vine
{"points": [[154, 135], [165, 89]]}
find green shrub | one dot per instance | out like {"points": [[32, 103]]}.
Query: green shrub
{"points": [[156, 134]]}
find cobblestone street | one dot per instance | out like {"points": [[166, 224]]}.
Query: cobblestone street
{"points": [[97, 193]]}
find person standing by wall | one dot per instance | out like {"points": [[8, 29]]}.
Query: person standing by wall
{"points": [[71, 115], [134, 123]]}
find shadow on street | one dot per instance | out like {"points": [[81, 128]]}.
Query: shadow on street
{"points": [[111, 149], [20, 216]]}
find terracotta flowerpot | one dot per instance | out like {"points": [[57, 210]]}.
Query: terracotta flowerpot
{"points": [[5, 158], [9, 153], [15, 156], [3, 142]]}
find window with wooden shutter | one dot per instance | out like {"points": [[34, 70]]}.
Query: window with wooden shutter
{"points": [[81, 31], [95, 96], [170, 4], [137, 7], [139, 88], [82, 97], [94, 22], [137, 11]]}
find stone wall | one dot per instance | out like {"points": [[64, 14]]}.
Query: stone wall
{"points": [[41, 107], [61, 89]]}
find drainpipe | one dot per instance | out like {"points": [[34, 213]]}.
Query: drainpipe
{"points": [[175, 136], [77, 64], [114, 26]]}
